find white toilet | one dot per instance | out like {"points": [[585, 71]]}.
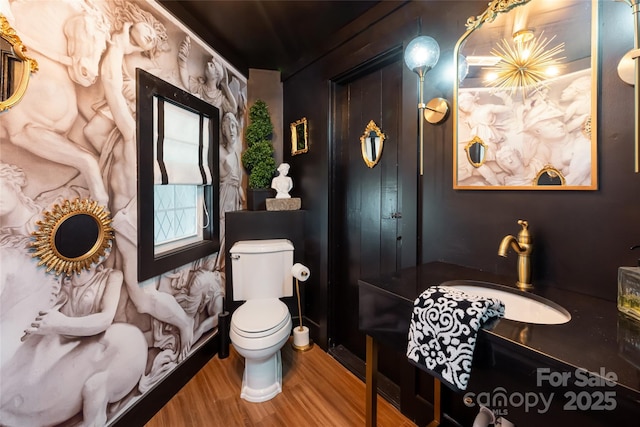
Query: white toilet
{"points": [[261, 272]]}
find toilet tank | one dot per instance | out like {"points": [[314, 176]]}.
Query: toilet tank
{"points": [[262, 269]]}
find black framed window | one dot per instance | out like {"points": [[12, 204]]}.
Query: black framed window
{"points": [[178, 205]]}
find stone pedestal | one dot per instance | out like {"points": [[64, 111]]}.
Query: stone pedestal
{"points": [[292, 204]]}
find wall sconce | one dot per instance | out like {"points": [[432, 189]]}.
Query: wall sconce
{"points": [[421, 55], [629, 72]]}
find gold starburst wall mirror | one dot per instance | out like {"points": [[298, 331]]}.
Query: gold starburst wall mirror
{"points": [[72, 236], [525, 97]]}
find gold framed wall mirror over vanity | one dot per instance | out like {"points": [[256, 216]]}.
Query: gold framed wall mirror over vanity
{"points": [[15, 66], [525, 100]]}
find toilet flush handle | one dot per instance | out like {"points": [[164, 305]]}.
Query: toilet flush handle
{"points": [[235, 256]]}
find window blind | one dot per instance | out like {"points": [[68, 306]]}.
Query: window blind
{"points": [[182, 145]]}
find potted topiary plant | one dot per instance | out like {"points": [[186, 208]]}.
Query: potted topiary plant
{"points": [[258, 157]]}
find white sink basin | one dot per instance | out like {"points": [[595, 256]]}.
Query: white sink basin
{"points": [[518, 305]]}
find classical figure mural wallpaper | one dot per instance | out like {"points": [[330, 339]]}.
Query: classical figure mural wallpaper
{"points": [[521, 137], [80, 349]]}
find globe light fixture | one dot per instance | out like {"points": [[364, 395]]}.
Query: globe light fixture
{"points": [[420, 56]]}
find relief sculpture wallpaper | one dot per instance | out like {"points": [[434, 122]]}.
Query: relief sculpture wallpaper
{"points": [[81, 349]]}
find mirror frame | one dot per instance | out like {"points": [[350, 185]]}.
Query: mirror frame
{"points": [[30, 65], [371, 127], [476, 141], [549, 170], [45, 237], [495, 8], [299, 145]]}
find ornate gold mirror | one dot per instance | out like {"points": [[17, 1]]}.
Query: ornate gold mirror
{"points": [[371, 143], [527, 89], [15, 66], [72, 236], [299, 143], [476, 152], [549, 176]]}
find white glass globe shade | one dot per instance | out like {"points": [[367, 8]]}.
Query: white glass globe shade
{"points": [[422, 53]]}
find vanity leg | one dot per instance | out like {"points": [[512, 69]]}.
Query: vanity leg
{"points": [[372, 381], [436, 404]]}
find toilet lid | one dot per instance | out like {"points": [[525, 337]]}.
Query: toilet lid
{"points": [[259, 317]]}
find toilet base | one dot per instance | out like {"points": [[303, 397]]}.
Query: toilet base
{"points": [[262, 379]]}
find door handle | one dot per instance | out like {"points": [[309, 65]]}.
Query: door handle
{"points": [[396, 215]]}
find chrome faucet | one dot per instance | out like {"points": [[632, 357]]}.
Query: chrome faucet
{"points": [[523, 247]]}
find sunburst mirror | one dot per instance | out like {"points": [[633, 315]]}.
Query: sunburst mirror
{"points": [[72, 236], [527, 88]]}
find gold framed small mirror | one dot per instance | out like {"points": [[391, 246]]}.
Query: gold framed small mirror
{"points": [[15, 66], [549, 175], [299, 143], [476, 152], [72, 236], [371, 143]]}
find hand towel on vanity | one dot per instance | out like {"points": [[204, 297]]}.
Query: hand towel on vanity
{"points": [[443, 329]]}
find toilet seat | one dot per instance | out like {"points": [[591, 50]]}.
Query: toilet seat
{"points": [[260, 318]]}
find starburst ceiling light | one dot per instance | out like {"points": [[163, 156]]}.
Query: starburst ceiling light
{"points": [[524, 65]]}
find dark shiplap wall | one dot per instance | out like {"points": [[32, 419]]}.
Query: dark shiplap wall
{"points": [[580, 237]]}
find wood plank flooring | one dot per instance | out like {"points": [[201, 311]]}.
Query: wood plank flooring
{"points": [[317, 391]]}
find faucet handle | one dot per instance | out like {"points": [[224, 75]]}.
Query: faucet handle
{"points": [[523, 235]]}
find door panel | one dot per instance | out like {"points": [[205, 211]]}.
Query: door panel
{"points": [[365, 213]]}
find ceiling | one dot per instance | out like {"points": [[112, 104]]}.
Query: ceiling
{"points": [[272, 34]]}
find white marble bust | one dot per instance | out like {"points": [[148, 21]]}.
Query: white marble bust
{"points": [[282, 183]]}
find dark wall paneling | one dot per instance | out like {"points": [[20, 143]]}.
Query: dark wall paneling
{"points": [[580, 237], [307, 94], [365, 230]]}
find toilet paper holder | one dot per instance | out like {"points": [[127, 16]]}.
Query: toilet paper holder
{"points": [[301, 340]]}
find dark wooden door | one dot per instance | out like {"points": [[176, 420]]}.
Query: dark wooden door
{"points": [[365, 206]]}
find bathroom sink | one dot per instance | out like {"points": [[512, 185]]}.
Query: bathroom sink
{"points": [[518, 305]]}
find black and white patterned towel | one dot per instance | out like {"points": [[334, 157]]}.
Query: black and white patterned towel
{"points": [[442, 334]]}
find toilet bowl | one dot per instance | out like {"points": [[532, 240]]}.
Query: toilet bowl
{"points": [[261, 272], [259, 329]]}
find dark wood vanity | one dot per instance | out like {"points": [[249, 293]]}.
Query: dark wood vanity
{"points": [[587, 370]]}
